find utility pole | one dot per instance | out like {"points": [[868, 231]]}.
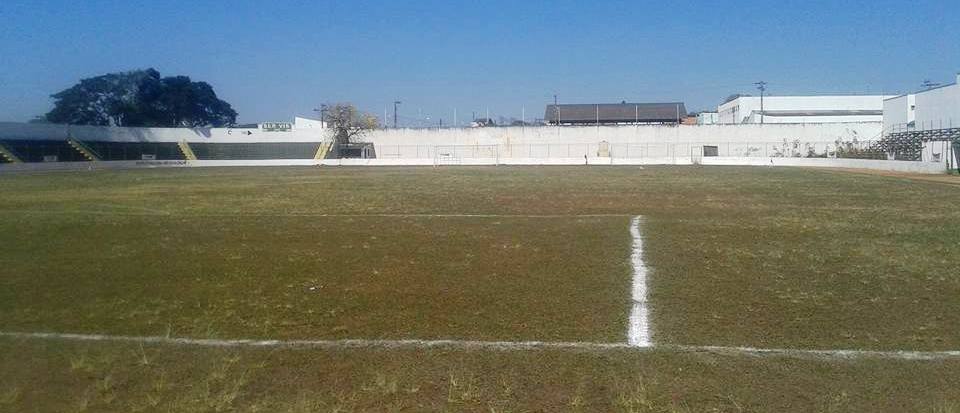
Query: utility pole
{"points": [[455, 118], [927, 84], [763, 87], [395, 103], [323, 112]]}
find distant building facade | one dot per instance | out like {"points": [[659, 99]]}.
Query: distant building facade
{"points": [[708, 118], [931, 109], [802, 109], [307, 123]]}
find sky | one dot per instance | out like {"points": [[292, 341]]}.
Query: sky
{"points": [[274, 60]]}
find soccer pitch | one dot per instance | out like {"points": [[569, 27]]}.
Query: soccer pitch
{"points": [[490, 289]]}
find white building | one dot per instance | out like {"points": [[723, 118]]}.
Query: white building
{"points": [[899, 112], [802, 109], [708, 118], [307, 123], [937, 108]]}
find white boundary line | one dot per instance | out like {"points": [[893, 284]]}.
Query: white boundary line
{"points": [[324, 344], [487, 345], [638, 331], [308, 214]]}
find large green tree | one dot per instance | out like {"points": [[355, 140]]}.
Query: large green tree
{"points": [[141, 98]]}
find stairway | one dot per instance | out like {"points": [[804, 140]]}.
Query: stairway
{"points": [[187, 151], [7, 155], [323, 150], [86, 152]]}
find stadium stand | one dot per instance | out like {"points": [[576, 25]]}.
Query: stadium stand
{"points": [[252, 151], [6, 156], [43, 151], [134, 151]]}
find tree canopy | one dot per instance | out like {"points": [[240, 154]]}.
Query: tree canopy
{"points": [[347, 122], [141, 98]]}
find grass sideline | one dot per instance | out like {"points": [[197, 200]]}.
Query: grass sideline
{"points": [[761, 257], [70, 376]]}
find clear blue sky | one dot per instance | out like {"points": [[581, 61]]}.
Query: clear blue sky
{"points": [[273, 60]]}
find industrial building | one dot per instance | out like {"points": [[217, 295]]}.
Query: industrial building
{"points": [[802, 109], [936, 108], [708, 118], [927, 121], [615, 113]]}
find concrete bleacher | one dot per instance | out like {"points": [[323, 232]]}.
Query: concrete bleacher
{"points": [[255, 151], [43, 150], [134, 151]]}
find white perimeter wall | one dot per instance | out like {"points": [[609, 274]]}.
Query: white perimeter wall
{"points": [[823, 132], [771, 133], [902, 166]]}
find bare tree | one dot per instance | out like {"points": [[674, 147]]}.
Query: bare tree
{"points": [[347, 122]]}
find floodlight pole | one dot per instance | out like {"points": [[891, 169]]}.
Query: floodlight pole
{"points": [[523, 117], [763, 87], [395, 103], [598, 121]]}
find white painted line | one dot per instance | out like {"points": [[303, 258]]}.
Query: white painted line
{"points": [[332, 344], [308, 214], [490, 345], [638, 332], [818, 354]]}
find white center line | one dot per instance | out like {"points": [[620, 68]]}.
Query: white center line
{"points": [[638, 333]]}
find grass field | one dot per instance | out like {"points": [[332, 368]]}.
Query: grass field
{"points": [[760, 257]]}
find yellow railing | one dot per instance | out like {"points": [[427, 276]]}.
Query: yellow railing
{"points": [[187, 151], [8, 155], [80, 147]]}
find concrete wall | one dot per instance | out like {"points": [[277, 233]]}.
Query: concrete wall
{"points": [[827, 132], [901, 166]]}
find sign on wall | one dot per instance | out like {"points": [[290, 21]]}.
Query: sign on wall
{"points": [[276, 126]]}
